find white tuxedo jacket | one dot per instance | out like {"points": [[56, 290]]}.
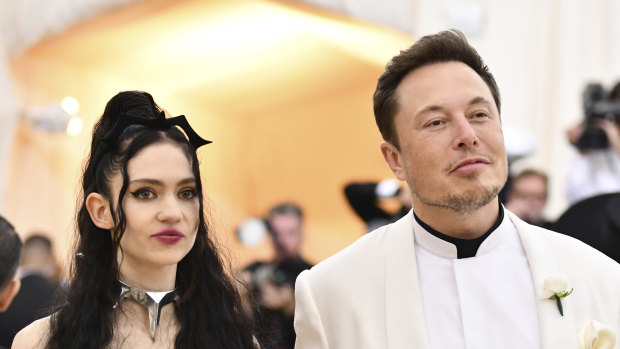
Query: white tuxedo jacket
{"points": [[367, 295]]}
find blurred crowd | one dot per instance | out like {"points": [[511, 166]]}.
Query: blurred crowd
{"points": [[31, 282]]}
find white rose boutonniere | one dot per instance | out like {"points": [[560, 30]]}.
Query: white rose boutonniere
{"points": [[555, 287], [595, 335]]}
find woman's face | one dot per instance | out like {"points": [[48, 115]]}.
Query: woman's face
{"points": [[161, 209]]}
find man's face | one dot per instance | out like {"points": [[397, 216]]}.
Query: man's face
{"points": [[286, 229], [451, 143]]}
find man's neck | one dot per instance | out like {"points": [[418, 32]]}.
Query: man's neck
{"points": [[461, 225]]}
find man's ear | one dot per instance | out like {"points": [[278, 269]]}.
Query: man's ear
{"points": [[9, 293], [393, 159], [99, 210]]}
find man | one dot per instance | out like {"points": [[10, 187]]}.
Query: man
{"points": [[10, 250], [527, 197], [459, 271], [274, 282]]}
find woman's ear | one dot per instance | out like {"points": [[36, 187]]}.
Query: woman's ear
{"points": [[99, 210]]}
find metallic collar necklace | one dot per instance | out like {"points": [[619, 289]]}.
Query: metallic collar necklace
{"points": [[153, 301]]}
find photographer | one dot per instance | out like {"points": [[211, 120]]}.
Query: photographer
{"points": [[595, 168], [367, 200], [272, 283]]}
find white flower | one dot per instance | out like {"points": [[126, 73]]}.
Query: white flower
{"points": [[595, 335], [553, 285]]}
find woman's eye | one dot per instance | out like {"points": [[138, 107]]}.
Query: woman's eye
{"points": [[143, 194], [188, 194]]}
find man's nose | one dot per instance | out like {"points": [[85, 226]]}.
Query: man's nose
{"points": [[465, 135]]}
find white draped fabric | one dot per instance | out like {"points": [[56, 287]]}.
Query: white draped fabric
{"points": [[24, 23], [542, 54], [7, 121]]}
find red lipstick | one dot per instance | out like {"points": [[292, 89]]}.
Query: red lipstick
{"points": [[168, 236]]}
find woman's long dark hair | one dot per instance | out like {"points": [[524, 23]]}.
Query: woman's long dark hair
{"points": [[209, 311]]}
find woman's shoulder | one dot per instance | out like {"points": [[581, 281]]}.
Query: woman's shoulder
{"points": [[33, 335]]}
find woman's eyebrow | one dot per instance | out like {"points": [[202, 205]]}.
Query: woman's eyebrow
{"points": [[152, 181]]}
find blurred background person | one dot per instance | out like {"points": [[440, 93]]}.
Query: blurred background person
{"points": [[373, 202], [272, 283], [595, 168], [38, 259], [39, 275], [593, 179], [527, 196], [10, 250]]}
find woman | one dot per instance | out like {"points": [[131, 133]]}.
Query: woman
{"points": [[145, 272]]}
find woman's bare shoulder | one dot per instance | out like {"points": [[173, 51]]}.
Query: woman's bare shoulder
{"points": [[33, 336]]}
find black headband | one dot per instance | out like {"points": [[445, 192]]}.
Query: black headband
{"points": [[159, 123]]}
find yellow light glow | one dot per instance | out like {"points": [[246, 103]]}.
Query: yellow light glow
{"points": [[70, 105], [74, 126]]}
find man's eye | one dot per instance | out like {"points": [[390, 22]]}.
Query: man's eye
{"points": [[435, 123], [188, 194], [143, 194], [480, 115]]}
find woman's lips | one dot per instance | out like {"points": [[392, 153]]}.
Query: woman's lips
{"points": [[169, 236]]}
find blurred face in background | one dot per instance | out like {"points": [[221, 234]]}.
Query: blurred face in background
{"points": [[527, 197], [287, 234]]}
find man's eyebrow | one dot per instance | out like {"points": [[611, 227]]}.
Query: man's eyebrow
{"points": [[479, 100], [435, 107], [429, 108]]}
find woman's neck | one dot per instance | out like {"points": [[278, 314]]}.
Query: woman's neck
{"points": [[151, 278]]}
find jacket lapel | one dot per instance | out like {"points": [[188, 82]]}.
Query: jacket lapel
{"points": [[556, 331], [403, 302]]}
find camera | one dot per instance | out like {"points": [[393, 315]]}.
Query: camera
{"points": [[597, 104]]}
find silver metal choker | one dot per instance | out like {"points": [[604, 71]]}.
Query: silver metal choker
{"points": [[143, 297]]}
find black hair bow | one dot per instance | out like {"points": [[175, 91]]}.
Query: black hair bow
{"points": [[159, 123]]}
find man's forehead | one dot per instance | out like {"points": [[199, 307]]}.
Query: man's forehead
{"points": [[426, 81]]}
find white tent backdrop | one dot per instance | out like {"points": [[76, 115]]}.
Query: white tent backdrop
{"points": [[541, 52], [24, 23]]}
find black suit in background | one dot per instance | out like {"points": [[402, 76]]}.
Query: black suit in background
{"points": [[595, 221], [31, 303]]}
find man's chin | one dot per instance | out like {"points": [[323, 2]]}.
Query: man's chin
{"points": [[467, 202]]}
